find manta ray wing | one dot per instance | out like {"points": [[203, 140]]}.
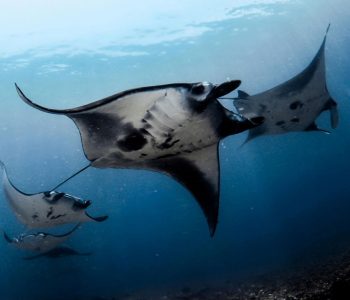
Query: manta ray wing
{"points": [[173, 129], [111, 123], [199, 173], [294, 105]]}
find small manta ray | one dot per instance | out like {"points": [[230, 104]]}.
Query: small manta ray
{"points": [[46, 209], [173, 129], [39, 242], [293, 105], [58, 252]]}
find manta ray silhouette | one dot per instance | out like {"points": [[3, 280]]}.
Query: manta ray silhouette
{"points": [[58, 252], [174, 129], [46, 209], [293, 105], [39, 242]]}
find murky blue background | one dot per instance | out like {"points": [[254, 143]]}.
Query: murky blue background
{"points": [[284, 199]]}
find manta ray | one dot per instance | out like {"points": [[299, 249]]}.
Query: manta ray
{"points": [[293, 105], [58, 252], [173, 129], [39, 242], [46, 209]]}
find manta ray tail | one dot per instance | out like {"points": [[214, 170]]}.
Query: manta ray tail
{"points": [[70, 177]]}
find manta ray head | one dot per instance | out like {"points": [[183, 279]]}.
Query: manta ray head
{"points": [[200, 91], [206, 91]]}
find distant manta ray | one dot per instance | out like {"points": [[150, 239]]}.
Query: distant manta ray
{"points": [[46, 209], [58, 252], [293, 105], [39, 242], [174, 129]]}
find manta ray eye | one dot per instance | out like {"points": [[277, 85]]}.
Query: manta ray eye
{"points": [[198, 89]]}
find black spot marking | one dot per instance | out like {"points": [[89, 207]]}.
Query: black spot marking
{"points": [[56, 217], [295, 120], [50, 211], [143, 154], [132, 142], [47, 194], [295, 105], [280, 123], [35, 216], [168, 144], [144, 132]]}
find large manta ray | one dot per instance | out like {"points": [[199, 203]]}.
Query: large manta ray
{"points": [[46, 209], [174, 129], [293, 105], [39, 242]]}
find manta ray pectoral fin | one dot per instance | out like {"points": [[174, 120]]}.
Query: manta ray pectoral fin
{"points": [[253, 133], [313, 127], [7, 238], [198, 171], [242, 94], [97, 219]]}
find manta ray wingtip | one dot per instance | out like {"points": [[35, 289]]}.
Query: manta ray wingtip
{"points": [[22, 96], [212, 229], [7, 238]]}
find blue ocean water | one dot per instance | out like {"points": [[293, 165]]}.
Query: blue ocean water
{"points": [[284, 199]]}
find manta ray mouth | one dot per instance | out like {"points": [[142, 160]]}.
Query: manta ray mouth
{"points": [[224, 88]]}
